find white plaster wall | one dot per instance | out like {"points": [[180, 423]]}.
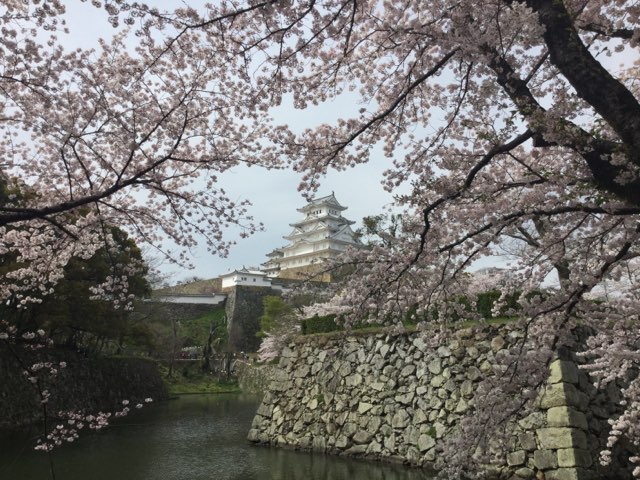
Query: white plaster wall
{"points": [[246, 279]]}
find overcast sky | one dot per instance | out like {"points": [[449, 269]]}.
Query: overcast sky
{"points": [[275, 197], [274, 194]]}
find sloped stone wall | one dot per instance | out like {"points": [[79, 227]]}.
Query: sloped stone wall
{"points": [[393, 398], [244, 307], [254, 378]]}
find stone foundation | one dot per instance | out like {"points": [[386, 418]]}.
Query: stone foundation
{"points": [[394, 398]]}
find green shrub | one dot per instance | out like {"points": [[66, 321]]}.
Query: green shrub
{"points": [[316, 324], [485, 302], [277, 316]]}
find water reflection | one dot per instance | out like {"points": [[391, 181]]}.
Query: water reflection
{"points": [[192, 438]]}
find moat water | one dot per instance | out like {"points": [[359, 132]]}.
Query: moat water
{"points": [[196, 437]]}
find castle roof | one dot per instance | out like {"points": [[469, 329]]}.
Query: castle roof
{"points": [[329, 200], [332, 232], [276, 252], [321, 218], [244, 271]]}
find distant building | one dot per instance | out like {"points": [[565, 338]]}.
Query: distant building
{"points": [[323, 233], [492, 277], [246, 277]]}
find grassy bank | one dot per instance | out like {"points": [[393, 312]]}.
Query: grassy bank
{"points": [[187, 379]]}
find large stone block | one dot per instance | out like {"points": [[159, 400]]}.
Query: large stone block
{"points": [[406, 398], [408, 370], [568, 474], [288, 353], [525, 473], [435, 366], [390, 442], [497, 343], [343, 442], [349, 429], [473, 373], [373, 424], [353, 380], [527, 441], [561, 437], [420, 344], [265, 410], [563, 371], [419, 417], [545, 459], [574, 457], [515, 459], [253, 435], [562, 394], [357, 450], [462, 406], [400, 419], [374, 448], [362, 437], [466, 389], [566, 417], [425, 442]]}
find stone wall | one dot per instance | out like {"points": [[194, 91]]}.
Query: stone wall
{"points": [[254, 378], [171, 311], [394, 398], [244, 307]]}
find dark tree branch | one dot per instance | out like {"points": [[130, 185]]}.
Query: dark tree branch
{"points": [[596, 152], [624, 33], [593, 83]]}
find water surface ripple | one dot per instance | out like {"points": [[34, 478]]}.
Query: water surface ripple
{"points": [[196, 437]]}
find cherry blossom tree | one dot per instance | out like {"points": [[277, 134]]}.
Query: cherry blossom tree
{"points": [[112, 136], [96, 138], [502, 119]]}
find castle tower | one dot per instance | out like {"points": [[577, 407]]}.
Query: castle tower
{"points": [[323, 233]]}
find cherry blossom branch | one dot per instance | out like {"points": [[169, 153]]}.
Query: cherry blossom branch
{"points": [[610, 98], [500, 149]]}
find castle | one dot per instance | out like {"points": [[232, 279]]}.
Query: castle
{"points": [[322, 234]]}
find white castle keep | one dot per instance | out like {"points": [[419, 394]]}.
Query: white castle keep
{"points": [[323, 233]]}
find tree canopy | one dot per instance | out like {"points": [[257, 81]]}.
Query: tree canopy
{"points": [[125, 138], [74, 315], [503, 120]]}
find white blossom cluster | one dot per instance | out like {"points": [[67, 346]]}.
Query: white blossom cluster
{"points": [[70, 424], [502, 132]]}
